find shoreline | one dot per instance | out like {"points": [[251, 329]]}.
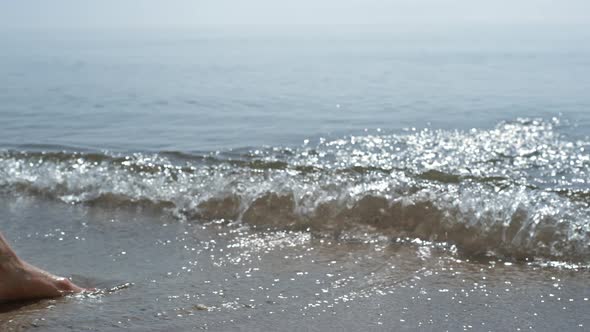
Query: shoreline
{"points": [[227, 277]]}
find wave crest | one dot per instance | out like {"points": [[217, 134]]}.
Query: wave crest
{"points": [[517, 190]]}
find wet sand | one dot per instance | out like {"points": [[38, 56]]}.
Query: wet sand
{"points": [[158, 274]]}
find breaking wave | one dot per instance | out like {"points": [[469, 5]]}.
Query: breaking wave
{"points": [[519, 190]]}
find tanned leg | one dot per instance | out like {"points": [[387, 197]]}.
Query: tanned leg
{"points": [[22, 281]]}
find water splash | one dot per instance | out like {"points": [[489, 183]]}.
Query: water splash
{"points": [[518, 190]]}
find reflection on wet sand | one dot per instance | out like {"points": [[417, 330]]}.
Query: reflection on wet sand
{"points": [[155, 273]]}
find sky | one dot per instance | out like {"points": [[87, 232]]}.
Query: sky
{"points": [[80, 14]]}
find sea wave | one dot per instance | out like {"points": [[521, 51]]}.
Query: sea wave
{"points": [[518, 190]]}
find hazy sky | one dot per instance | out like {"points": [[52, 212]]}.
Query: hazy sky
{"points": [[159, 13]]}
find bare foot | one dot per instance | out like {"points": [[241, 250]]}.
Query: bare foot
{"points": [[22, 281]]}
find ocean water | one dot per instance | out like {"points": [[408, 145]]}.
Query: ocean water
{"points": [[245, 179]]}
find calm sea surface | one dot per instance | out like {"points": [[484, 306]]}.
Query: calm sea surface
{"points": [[210, 89]]}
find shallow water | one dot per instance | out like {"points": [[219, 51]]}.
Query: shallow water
{"points": [[245, 180], [218, 276]]}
